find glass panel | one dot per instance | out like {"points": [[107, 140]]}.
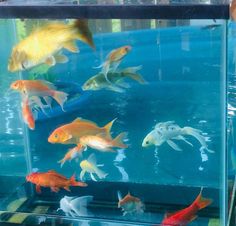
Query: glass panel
{"points": [[135, 106]]}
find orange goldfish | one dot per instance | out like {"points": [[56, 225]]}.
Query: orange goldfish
{"points": [[185, 216], [53, 180], [130, 204], [73, 153], [102, 143], [43, 45], [72, 132], [27, 114], [114, 58], [39, 88]]}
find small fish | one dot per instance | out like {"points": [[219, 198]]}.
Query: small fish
{"points": [[73, 153], [75, 206], [113, 59], [185, 216], [103, 144], [53, 180], [72, 132], [169, 131], [115, 83], [43, 45], [39, 88], [130, 204], [27, 114], [90, 166]]}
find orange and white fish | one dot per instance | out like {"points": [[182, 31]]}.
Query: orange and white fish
{"points": [[185, 216], [53, 180], [73, 153], [43, 45], [72, 132], [27, 114], [103, 144], [130, 204], [90, 166], [113, 59], [39, 88]]}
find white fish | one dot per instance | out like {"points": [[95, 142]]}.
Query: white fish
{"points": [[169, 131], [75, 206], [90, 166]]}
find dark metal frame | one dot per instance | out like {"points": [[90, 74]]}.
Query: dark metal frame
{"points": [[180, 11]]}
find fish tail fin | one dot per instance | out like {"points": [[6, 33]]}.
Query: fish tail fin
{"points": [[131, 72], [119, 196], [62, 162], [118, 141], [101, 174], [108, 126], [202, 202], [197, 134], [84, 34], [73, 182], [60, 98], [80, 204]]}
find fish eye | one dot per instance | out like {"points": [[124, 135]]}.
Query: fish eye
{"points": [[147, 142], [56, 135]]}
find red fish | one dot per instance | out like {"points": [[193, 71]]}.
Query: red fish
{"points": [[185, 216], [53, 180], [27, 114]]}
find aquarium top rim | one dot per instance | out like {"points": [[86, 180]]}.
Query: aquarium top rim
{"points": [[65, 11]]}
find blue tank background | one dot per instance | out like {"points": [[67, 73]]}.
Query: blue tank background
{"points": [[183, 68]]}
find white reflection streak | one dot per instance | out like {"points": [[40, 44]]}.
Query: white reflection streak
{"points": [[119, 158], [157, 160]]}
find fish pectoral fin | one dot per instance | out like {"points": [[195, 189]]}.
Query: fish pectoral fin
{"points": [[61, 59], [180, 137], [92, 177], [50, 61], [192, 218], [67, 188], [71, 46], [82, 175], [115, 89], [174, 145], [38, 189]]}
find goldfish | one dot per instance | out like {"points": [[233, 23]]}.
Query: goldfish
{"points": [[103, 144], [130, 204], [44, 44], [185, 216], [90, 166], [39, 88], [167, 131], [75, 206], [53, 180], [27, 114], [72, 132], [73, 153], [113, 59], [115, 83]]}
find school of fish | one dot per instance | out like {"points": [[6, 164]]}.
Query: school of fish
{"points": [[45, 45]]}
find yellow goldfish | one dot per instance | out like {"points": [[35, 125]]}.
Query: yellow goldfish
{"points": [[39, 88], [102, 143], [43, 45], [113, 59], [90, 166], [72, 132]]}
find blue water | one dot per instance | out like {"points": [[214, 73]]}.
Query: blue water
{"points": [[184, 68]]}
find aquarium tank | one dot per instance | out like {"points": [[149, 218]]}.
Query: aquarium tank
{"points": [[117, 112]]}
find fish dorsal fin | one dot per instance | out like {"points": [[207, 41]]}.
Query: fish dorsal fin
{"points": [[52, 171], [79, 119], [48, 84], [92, 159]]}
